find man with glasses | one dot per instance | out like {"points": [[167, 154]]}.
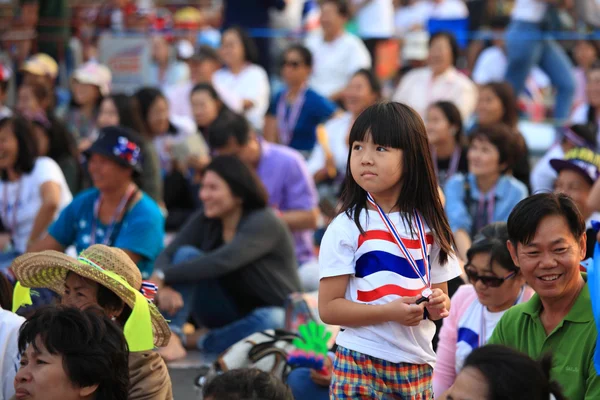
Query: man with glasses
{"points": [[547, 241]]}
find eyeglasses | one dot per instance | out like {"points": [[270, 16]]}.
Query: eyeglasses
{"points": [[489, 281], [291, 63]]}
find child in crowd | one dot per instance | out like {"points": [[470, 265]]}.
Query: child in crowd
{"points": [[246, 384], [386, 259]]}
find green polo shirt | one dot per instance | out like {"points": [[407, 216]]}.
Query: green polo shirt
{"points": [[572, 343]]}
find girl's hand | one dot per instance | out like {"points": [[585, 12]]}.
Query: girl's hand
{"points": [[405, 311], [438, 305]]}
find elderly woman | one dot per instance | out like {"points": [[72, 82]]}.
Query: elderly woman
{"points": [[115, 212], [106, 277]]}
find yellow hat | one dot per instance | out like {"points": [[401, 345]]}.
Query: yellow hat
{"points": [[41, 64], [187, 17]]}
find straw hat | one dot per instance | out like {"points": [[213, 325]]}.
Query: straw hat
{"points": [[48, 269], [41, 64]]}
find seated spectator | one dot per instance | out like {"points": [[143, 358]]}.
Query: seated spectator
{"points": [[32, 98], [91, 82], [547, 242], [165, 70], [246, 384], [338, 54], [115, 212], [296, 111], [588, 113], [327, 163], [291, 190], [243, 76], [496, 284], [443, 80], [577, 171], [579, 135], [203, 64], [9, 334], [33, 190], [585, 54], [486, 194], [40, 69], [497, 372], [231, 267], [6, 75], [71, 354], [497, 105], [445, 132], [123, 110], [207, 106]]}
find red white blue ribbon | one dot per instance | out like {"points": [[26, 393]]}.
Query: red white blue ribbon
{"points": [[149, 290], [394, 232]]}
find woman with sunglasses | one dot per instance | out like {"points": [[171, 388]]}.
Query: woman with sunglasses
{"points": [[496, 285]]}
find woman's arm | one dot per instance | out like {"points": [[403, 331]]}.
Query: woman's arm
{"points": [[47, 243], [50, 194], [270, 131], [463, 244]]}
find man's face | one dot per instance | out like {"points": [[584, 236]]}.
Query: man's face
{"points": [[233, 148], [550, 262]]}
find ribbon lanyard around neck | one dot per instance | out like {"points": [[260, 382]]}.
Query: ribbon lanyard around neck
{"points": [[454, 160], [131, 191], [394, 232], [490, 197], [287, 125]]}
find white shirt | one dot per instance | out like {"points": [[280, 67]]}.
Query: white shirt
{"points": [[543, 175], [491, 67], [180, 103], [24, 195], [251, 83], [375, 20], [418, 89], [9, 352], [449, 9], [529, 10], [335, 62], [379, 274], [414, 14], [337, 130]]}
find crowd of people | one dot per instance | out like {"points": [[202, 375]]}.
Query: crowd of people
{"points": [[184, 215]]}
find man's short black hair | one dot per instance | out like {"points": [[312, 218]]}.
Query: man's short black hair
{"points": [[528, 213], [228, 125], [247, 384]]}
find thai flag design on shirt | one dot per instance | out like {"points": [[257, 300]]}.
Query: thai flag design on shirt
{"points": [[382, 270]]}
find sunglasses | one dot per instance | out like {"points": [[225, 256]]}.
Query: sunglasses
{"points": [[293, 64], [489, 281]]}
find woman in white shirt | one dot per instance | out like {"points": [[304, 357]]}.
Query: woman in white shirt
{"points": [[33, 190], [243, 76], [589, 113], [440, 80]]}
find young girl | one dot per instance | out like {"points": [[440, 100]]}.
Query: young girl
{"points": [[386, 260]]}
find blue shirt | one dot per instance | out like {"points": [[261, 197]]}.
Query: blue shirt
{"points": [[315, 110], [509, 191], [141, 231]]}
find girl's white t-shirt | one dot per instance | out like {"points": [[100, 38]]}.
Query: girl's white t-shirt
{"points": [[24, 197], [380, 275]]}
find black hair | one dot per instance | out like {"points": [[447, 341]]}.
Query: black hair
{"points": [[130, 116], [342, 6], [250, 49], [492, 239], [206, 87], [23, 131], [499, 22], [146, 98], [227, 126], [372, 79], [452, 115], [525, 218], [503, 138], [109, 300], [6, 291], [587, 132], [247, 384], [242, 181], [93, 349], [303, 51], [505, 93], [513, 375], [396, 125], [451, 40]]}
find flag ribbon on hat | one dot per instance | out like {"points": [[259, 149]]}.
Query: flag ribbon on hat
{"points": [[149, 290]]}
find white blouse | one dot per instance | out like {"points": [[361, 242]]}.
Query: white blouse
{"points": [[337, 130]]}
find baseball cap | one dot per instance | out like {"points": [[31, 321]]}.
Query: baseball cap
{"points": [[41, 64], [120, 145], [94, 74], [581, 160]]}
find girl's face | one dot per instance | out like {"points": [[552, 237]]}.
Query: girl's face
{"points": [[489, 107], [42, 140], [358, 95], [85, 94], [593, 87], [293, 69], [483, 158], [375, 168], [584, 54], [574, 185], [158, 116], [108, 115], [26, 101], [469, 384], [440, 55], [217, 197], [438, 127], [232, 49], [494, 298], [205, 108], [9, 147]]}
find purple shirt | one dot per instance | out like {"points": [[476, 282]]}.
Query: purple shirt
{"points": [[284, 173]]}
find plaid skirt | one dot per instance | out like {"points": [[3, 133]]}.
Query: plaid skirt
{"points": [[359, 376]]}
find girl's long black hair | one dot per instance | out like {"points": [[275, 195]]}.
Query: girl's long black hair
{"points": [[398, 126]]}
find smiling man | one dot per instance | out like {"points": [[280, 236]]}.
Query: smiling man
{"points": [[547, 241]]}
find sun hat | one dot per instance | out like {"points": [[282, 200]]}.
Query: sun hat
{"points": [[95, 74], [581, 160], [120, 145], [107, 266], [41, 64]]}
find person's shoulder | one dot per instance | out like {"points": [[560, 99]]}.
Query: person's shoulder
{"points": [[10, 320], [351, 39], [464, 294], [44, 164], [264, 217], [515, 185], [417, 73], [344, 223], [255, 71], [338, 120], [313, 39], [286, 155], [147, 207], [456, 180]]}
